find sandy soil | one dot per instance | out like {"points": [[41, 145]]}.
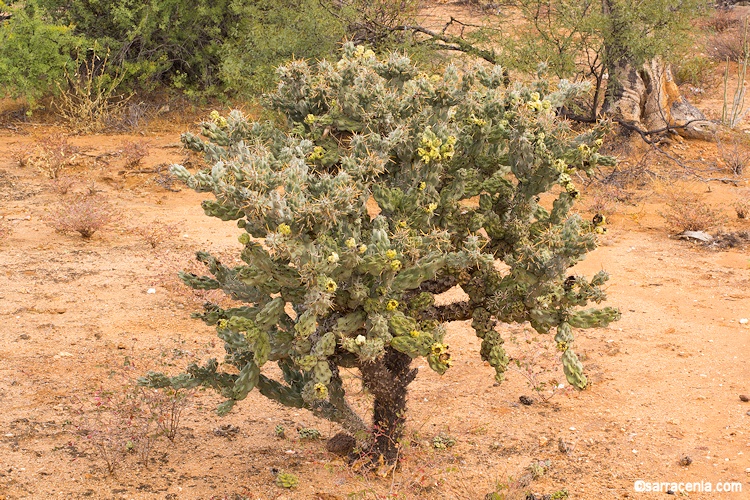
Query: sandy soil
{"points": [[79, 316]]}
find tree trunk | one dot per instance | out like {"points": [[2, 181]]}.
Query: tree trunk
{"points": [[387, 379], [645, 97], [648, 100]]}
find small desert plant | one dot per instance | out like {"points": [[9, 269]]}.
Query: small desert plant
{"points": [[736, 155], [536, 360], [166, 407], [721, 20], [696, 71], [86, 214], [62, 184], [687, 212], [133, 153], [742, 208], [90, 102], [286, 480], [155, 233], [50, 154], [118, 424]]}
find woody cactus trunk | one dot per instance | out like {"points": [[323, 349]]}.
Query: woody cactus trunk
{"points": [[386, 187]]}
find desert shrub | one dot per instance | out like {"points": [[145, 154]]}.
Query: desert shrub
{"points": [[735, 155], [721, 20], [270, 32], [728, 45], [85, 215], [327, 284], [742, 207], [687, 212], [696, 71], [63, 184], [49, 153], [128, 420], [133, 153], [156, 233], [202, 47], [117, 424], [90, 101], [34, 51]]}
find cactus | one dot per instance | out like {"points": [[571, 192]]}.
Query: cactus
{"points": [[308, 433], [326, 285], [286, 480]]}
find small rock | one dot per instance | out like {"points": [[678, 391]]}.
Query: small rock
{"points": [[341, 444], [24, 336], [151, 290], [744, 398], [685, 461], [525, 400], [743, 321], [543, 441]]}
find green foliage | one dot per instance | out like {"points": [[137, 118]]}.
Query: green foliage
{"points": [[456, 164], [202, 46], [34, 52], [583, 39]]}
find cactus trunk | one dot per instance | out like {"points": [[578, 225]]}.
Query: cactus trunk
{"points": [[388, 380]]}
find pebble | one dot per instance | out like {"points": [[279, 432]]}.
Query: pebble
{"points": [[743, 321], [543, 440], [151, 290]]}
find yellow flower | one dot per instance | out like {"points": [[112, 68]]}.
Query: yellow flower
{"points": [[395, 265], [331, 286], [414, 333], [284, 229], [362, 248], [391, 254], [391, 305], [333, 258], [321, 391], [350, 243]]}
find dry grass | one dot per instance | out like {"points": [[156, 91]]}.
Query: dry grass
{"points": [[686, 211]]}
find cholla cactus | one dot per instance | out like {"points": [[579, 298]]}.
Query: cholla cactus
{"points": [[328, 284]]}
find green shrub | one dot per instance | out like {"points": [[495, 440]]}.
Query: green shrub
{"points": [[34, 53], [202, 47], [455, 164]]}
